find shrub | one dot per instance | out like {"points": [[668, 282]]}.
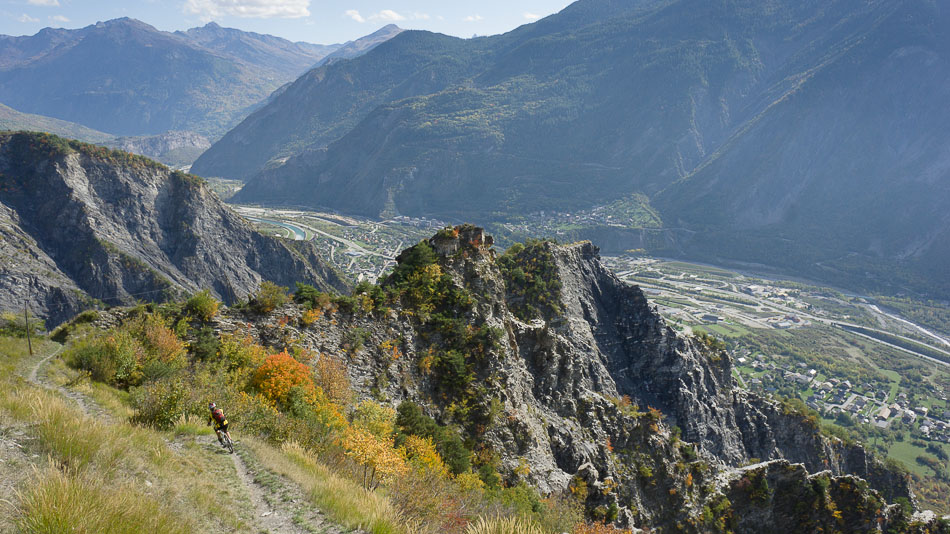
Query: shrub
{"points": [[330, 376], [165, 353], [375, 418], [159, 404], [257, 414], [310, 316], [421, 452], [354, 339], [376, 455], [268, 297], [522, 498], [202, 305], [240, 353], [206, 344], [411, 421], [531, 279], [420, 255], [452, 371], [312, 297], [115, 358], [279, 374]]}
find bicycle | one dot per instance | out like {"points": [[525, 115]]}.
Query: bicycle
{"points": [[225, 441]]}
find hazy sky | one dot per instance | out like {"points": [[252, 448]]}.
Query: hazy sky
{"points": [[316, 21]]}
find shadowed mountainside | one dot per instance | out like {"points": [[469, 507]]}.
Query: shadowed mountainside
{"points": [[803, 135]]}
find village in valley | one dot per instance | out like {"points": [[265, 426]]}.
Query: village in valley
{"points": [[867, 372]]}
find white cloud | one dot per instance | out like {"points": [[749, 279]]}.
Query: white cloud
{"points": [[58, 18], [48, 3], [26, 18], [531, 16], [264, 9], [388, 14], [473, 18]]}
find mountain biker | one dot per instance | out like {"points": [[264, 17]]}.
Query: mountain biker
{"points": [[220, 422]]}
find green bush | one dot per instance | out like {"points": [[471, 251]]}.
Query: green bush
{"points": [[354, 339], [522, 498], [206, 344], [531, 279], [202, 305], [452, 371], [411, 420], [115, 358], [159, 404], [268, 297], [312, 297]]}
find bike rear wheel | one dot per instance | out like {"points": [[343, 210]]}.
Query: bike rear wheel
{"points": [[228, 444]]}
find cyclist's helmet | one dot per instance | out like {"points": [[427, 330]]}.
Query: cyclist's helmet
{"points": [[211, 406]]}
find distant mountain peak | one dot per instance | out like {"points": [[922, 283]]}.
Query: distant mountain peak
{"points": [[385, 30], [125, 21]]}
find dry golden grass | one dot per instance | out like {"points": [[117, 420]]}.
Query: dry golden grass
{"points": [[70, 502], [344, 501], [503, 525], [110, 476]]}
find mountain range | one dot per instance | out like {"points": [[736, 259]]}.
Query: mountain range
{"points": [[126, 78], [807, 136], [83, 226]]}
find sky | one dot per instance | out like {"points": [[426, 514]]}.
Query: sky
{"points": [[314, 21]]}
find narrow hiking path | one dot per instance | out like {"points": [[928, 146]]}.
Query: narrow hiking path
{"points": [[87, 405], [279, 505]]}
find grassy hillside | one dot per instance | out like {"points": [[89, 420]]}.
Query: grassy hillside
{"points": [[69, 470]]}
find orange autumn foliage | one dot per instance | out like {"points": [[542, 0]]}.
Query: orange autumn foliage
{"points": [[598, 528], [279, 374]]}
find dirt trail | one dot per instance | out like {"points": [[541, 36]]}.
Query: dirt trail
{"points": [[280, 506], [34, 372], [87, 406]]}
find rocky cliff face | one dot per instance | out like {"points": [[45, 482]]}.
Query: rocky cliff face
{"points": [[83, 224], [583, 384]]}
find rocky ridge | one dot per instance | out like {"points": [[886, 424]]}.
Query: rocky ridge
{"points": [[82, 224], [596, 392]]}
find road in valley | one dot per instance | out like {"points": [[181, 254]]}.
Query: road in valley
{"points": [[766, 304]]}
